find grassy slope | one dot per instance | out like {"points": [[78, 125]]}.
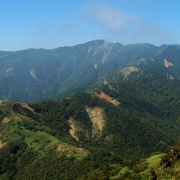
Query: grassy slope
{"points": [[153, 168], [24, 140]]}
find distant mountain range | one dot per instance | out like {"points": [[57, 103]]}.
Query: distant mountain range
{"points": [[36, 74]]}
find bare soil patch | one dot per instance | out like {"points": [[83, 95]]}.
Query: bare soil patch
{"points": [[107, 98], [167, 63], [62, 147], [6, 119]]}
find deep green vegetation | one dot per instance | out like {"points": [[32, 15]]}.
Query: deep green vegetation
{"points": [[86, 136], [144, 113]]}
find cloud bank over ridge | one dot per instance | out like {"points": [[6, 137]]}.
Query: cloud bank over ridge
{"points": [[120, 24]]}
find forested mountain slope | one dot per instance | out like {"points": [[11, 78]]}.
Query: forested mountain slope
{"points": [[159, 166], [37, 74], [91, 132]]}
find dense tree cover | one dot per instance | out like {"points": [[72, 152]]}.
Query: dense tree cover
{"points": [[152, 97], [17, 161], [139, 122], [157, 166], [9, 156], [145, 121]]}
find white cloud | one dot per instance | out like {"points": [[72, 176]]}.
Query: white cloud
{"points": [[156, 31], [125, 26], [107, 16]]}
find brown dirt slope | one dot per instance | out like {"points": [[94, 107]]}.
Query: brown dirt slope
{"points": [[107, 98]]}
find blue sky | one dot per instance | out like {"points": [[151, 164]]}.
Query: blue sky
{"points": [[55, 23]]}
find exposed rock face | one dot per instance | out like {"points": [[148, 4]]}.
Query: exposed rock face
{"points": [[97, 118], [77, 127], [32, 72], [128, 70], [72, 131], [25, 105], [167, 63]]}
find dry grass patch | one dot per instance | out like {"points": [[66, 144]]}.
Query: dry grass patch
{"points": [[2, 144]]}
